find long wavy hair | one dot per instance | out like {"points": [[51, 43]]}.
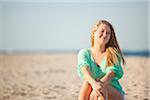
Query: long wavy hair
{"points": [[113, 51]]}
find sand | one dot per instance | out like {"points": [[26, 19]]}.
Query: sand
{"points": [[54, 77]]}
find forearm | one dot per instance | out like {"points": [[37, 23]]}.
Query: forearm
{"points": [[108, 77], [87, 75]]}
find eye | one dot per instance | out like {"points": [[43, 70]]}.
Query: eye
{"points": [[107, 32]]}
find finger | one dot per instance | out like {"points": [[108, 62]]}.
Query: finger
{"points": [[98, 93], [100, 84], [96, 97], [92, 96], [102, 94], [101, 91]]}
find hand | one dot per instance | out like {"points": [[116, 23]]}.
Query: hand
{"points": [[98, 87], [94, 96]]}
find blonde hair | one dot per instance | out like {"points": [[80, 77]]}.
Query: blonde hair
{"points": [[113, 51]]}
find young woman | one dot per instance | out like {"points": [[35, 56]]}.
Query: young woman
{"points": [[100, 66]]}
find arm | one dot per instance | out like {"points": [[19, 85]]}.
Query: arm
{"points": [[108, 77], [88, 77], [84, 71]]}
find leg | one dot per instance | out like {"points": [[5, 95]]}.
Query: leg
{"points": [[111, 94], [114, 94], [85, 91]]}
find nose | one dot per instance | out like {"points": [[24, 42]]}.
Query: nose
{"points": [[104, 34]]}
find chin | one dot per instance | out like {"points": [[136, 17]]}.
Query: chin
{"points": [[103, 42], [106, 41]]}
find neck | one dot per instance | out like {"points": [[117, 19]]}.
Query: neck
{"points": [[99, 48]]}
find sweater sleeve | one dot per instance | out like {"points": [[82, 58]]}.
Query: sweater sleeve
{"points": [[117, 69], [82, 61]]}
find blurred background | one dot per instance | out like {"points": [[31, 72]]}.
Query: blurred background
{"points": [[40, 39], [65, 25]]}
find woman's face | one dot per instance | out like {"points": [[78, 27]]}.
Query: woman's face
{"points": [[103, 34]]}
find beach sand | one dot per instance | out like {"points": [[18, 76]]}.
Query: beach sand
{"points": [[54, 77]]}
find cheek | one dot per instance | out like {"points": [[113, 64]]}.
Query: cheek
{"points": [[108, 38], [96, 35]]}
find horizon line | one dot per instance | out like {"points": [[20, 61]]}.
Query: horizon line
{"points": [[145, 53]]}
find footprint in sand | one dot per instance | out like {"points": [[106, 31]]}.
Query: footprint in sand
{"points": [[50, 98], [77, 92], [135, 96], [145, 99], [30, 86], [135, 85], [6, 97]]}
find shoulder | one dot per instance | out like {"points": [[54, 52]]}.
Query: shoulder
{"points": [[84, 52]]}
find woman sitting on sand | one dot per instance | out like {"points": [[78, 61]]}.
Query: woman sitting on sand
{"points": [[100, 66]]}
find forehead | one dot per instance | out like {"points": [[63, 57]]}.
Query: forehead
{"points": [[104, 26]]}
